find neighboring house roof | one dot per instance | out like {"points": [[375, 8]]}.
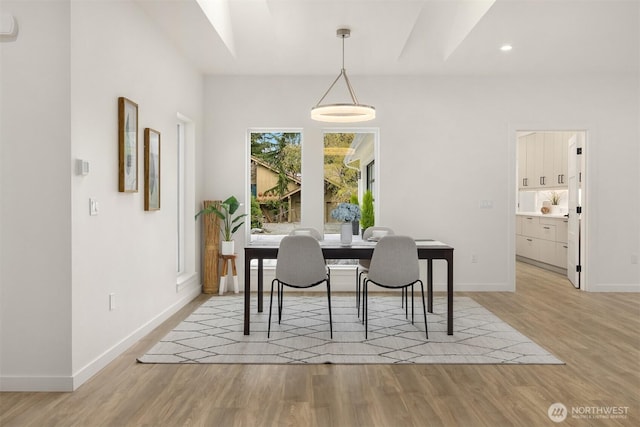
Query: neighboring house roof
{"points": [[272, 169], [290, 176]]}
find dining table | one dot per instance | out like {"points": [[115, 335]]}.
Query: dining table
{"points": [[428, 250]]}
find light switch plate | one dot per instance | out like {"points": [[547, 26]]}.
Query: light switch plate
{"points": [[93, 207]]}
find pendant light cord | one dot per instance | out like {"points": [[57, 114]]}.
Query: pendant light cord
{"points": [[343, 73], [343, 36]]}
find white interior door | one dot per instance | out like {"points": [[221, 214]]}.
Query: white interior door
{"points": [[573, 240]]}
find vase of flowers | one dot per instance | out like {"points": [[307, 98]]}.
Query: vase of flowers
{"points": [[346, 213]]}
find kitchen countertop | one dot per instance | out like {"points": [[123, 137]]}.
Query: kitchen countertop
{"points": [[559, 216]]}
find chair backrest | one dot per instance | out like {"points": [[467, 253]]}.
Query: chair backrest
{"points": [[395, 262], [306, 231], [368, 234], [373, 231], [300, 261]]}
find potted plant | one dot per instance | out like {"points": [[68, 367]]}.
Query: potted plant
{"points": [[554, 198], [367, 210], [230, 223], [347, 213], [356, 223]]}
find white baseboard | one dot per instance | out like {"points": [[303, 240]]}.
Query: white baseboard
{"points": [[477, 287], [344, 280], [614, 287], [30, 384], [83, 374], [544, 265], [66, 384]]}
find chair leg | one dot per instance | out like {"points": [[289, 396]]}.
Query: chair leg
{"points": [[424, 310], [271, 306], [329, 300], [412, 304], [405, 293], [362, 296], [280, 301], [365, 309], [358, 290]]}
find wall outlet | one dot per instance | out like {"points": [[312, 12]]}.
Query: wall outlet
{"points": [[634, 258], [486, 204], [112, 302], [474, 258]]}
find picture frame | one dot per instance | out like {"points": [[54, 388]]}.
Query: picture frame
{"points": [[127, 146], [151, 170]]}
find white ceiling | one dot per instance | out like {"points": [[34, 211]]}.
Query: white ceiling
{"points": [[405, 37]]}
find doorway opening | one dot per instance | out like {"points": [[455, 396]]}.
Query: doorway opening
{"points": [[551, 200]]}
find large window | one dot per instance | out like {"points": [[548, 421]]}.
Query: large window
{"points": [[275, 182], [181, 186], [348, 166], [185, 203]]}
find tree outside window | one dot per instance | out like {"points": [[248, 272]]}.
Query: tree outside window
{"points": [[276, 179]]}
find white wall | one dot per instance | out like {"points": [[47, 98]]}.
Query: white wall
{"points": [[447, 142], [35, 299], [61, 263]]}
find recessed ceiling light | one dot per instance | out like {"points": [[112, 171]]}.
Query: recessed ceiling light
{"points": [[506, 47]]}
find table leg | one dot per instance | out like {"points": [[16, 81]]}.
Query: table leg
{"points": [[430, 284], [260, 285], [450, 295], [247, 294]]}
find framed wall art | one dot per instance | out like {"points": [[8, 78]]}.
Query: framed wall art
{"points": [[151, 170], [127, 145]]}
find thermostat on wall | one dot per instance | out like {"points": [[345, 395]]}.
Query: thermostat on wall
{"points": [[82, 167]]}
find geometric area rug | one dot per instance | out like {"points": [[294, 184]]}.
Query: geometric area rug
{"points": [[213, 333]]}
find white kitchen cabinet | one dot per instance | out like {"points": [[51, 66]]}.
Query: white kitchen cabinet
{"points": [[547, 178], [547, 252], [561, 226], [561, 254], [527, 247], [530, 225], [542, 160], [561, 160], [547, 232], [542, 239], [538, 167], [527, 156]]}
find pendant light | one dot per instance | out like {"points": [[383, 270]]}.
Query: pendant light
{"points": [[344, 112]]}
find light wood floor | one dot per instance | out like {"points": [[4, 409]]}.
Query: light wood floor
{"points": [[597, 335]]}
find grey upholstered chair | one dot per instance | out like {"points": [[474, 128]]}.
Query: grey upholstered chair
{"points": [[363, 264], [300, 265], [394, 264], [306, 231]]}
